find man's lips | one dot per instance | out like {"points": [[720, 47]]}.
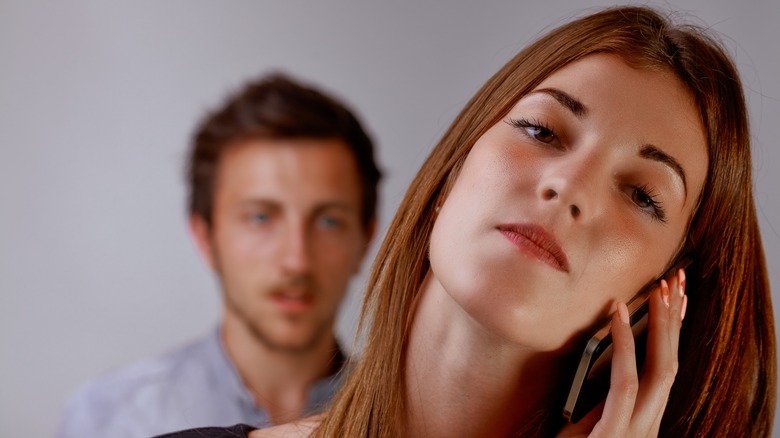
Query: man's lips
{"points": [[294, 302], [535, 241]]}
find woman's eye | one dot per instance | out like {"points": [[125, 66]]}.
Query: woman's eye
{"points": [[534, 129], [541, 134], [643, 198]]}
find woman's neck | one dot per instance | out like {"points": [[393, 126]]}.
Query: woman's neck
{"points": [[462, 380]]}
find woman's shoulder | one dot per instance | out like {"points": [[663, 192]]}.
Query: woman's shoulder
{"points": [[297, 429], [239, 430]]}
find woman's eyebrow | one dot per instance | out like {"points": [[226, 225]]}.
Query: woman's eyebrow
{"points": [[653, 153], [647, 151], [565, 99]]}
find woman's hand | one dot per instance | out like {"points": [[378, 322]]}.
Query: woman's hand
{"points": [[634, 406]]}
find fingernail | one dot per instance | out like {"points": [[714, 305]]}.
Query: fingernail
{"points": [[684, 307], [665, 292], [681, 276], [623, 312]]}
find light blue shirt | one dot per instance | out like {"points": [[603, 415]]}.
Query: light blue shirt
{"points": [[195, 386]]}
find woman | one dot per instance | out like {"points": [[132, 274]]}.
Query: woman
{"points": [[514, 148], [598, 155]]}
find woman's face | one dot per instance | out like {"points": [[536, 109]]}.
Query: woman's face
{"points": [[575, 199]]}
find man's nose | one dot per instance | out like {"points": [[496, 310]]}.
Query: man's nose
{"points": [[296, 256]]}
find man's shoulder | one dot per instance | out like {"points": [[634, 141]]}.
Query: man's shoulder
{"points": [[154, 373], [138, 391]]}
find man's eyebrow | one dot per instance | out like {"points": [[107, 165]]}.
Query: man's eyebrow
{"points": [[259, 202], [653, 153], [565, 99], [335, 205], [318, 208]]}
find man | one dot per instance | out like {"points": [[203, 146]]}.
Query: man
{"points": [[283, 192]]}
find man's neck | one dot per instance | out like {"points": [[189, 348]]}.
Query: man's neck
{"points": [[279, 381]]}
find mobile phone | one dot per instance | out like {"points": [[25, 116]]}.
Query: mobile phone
{"points": [[591, 380]]}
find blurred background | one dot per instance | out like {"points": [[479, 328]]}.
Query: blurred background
{"points": [[97, 103]]}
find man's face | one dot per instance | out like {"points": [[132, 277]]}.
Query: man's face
{"points": [[286, 237]]}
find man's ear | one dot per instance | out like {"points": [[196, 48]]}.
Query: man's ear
{"points": [[370, 231], [200, 232]]}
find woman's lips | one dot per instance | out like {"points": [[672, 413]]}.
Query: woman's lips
{"points": [[535, 241]]}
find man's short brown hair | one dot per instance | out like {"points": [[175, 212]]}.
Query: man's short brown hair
{"points": [[276, 107]]}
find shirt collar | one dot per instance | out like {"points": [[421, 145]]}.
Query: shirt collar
{"points": [[319, 394]]}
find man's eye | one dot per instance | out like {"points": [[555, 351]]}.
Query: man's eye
{"points": [[259, 218], [329, 222]]}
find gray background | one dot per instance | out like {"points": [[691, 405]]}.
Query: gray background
{"points": [[97, 102]]}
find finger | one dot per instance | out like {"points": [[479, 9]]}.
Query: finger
{"points": [[585, 426], [676, 314], [624, 382], [681, 275], [661, 358], [676, 302], [677, 289]]}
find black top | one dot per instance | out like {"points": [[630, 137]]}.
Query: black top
{"points": [[237, 431]]}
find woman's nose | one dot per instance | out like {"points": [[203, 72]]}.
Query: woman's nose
{"points": [[571, 183], [551, 194]]}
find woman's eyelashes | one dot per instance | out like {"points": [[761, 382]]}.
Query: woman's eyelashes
{"points": [[535, 130], [645, 199], [641, 195]]}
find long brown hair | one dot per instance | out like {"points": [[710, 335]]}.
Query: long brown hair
{"points": [[727, 375]]}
